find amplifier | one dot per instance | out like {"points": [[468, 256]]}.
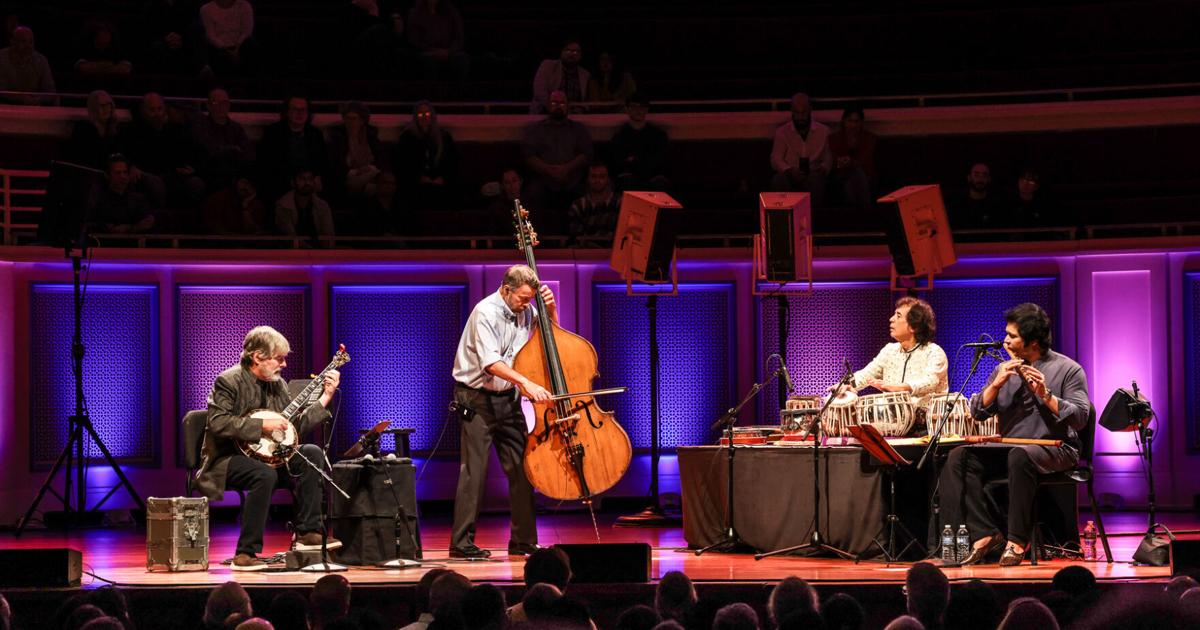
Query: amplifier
{"points": [[21, 568]]}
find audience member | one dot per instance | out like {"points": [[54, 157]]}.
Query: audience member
{"points": [[446, 594], [112, 601], [356, 152], [5, 614], [639, 149], [236, 210], [499, 211], [546, 565], [111, 623], [802, 620], [288, 145], [225, 601], [483, 607], [1074, 580], [422, 606], [570, 613], [161, 156], [81, 615], [329, 601], [435, 31], [229, 33], [595, 213], [852, 149], [1060, 604], [120, 210], [536, 605], [611, 84], [904, 622], [301, 212], [223, 146], [842, 612], [737, 616], [68, 606], [564, 74], [288, 611], [100, 55], [1027, 612], [790, 595], [255, 623], [93, 140], [1179, 585], [675, 596], [1029, 205], [174, 36], [640, 617], [1189, 603], [383, 50], [426, 161], [972, 606], [800, 153], [977, 207], [928, 593], [1147, 611], [557, 150], [24, 69], [669, 624], [384, 213]]}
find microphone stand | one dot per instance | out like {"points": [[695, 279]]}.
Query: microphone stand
{"points": [[816, 541], [731, 540], [325, 566]]}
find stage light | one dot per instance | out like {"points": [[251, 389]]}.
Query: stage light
{"points": [[1126, 411]]}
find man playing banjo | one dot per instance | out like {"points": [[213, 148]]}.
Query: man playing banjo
{"points": [[255, 384]]}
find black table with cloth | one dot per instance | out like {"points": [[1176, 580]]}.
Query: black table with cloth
{"points": [[379, 520], [773, 502]]}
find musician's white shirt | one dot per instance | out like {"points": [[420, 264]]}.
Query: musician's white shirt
{"points": [[493, 333], [923, 368]]}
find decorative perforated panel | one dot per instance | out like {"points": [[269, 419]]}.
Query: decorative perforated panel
{"points": [[120, 370], [1191, 302], [213, 321], [401, 341], [696, 360], [851, 320]]}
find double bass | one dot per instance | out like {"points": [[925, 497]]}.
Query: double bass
{"points": [[575, 450]]}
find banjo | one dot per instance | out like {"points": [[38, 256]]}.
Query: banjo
{"points": [[277, 447]]}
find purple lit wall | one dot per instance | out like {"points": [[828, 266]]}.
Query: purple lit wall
{"points": [[120, 334], [1191, 288], [696, 360], [401, 340], [851, 320], [213, 321]]}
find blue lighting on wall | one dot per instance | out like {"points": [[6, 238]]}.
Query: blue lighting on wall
{"points": [[1191, 374]]}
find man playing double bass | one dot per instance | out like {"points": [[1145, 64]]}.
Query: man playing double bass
{"points": [[486, 396]]}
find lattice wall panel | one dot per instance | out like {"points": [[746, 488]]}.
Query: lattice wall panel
{"points": [[1191, 303], [401, 340], [696, 359], [851, 320], [213, 321], [120, 378]]}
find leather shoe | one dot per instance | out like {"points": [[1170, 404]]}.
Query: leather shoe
{"points": [[980, 553], [470, 552], [1010, 557], [522, 549]]}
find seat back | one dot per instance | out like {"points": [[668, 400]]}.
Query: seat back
{"points": [[1087, 437], [193, 437]]}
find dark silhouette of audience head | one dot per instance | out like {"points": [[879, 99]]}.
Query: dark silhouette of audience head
{"points": [[424, 585], [1074, 580], [483, 607], [1028, 612], [972, 606], [1180, 585], [737, 616], [548, 565], [842, 612], [675, 596], [790, 595], [928, 594], [905, 622], [225, 601], [329, 600], [640, 617], [288, 611], [447, 593], [539, 601]]}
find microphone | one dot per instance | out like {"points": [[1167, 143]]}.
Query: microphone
{"points": [[984, 344], [787, 381]]}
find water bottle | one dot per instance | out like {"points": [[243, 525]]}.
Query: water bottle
{"points": [[962, 543], [1089, 541], [948, 550]]}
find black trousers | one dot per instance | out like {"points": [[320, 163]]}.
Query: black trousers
{"points": [[961, 492], [258, 481], [497, 421]]}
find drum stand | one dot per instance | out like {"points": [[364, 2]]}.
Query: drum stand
{"points": [[816, 542], [891, 465]]}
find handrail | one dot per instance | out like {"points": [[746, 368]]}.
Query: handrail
{"points": [[7, 192]]}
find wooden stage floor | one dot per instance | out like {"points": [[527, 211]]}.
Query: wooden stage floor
{"points": [[118, 556]]}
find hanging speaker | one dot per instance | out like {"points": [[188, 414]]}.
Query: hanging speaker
{"points": [[644, 242], [918, 232], [783, 248]]}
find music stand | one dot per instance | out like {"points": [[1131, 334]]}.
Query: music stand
{"points": [[879, 449]]}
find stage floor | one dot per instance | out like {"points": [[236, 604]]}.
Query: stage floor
{"points": [[118, 556]]}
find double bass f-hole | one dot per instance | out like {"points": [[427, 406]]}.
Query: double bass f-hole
{"points": [[581, 409]]}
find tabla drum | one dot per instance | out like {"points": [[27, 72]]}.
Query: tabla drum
{"points": [[991, 426], [841, 415], [958, 420], [798, 413], [891, 413]]}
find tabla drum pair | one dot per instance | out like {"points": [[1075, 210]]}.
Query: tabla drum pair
{"points": [[798, 412], [956, 410], [891, 413]]}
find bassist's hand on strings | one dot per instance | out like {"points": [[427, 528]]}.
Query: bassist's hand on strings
{"points": [[548, 300]]}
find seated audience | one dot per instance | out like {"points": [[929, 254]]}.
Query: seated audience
{"points": [[255, 623], [223, 146], [435, 31], [904, 622], [675, 596], [356, 152], [483, 607], [1029, 206], [301, 212], [842, 612], [288, 611], [226, 601], [547, 565], [174, 36], [1179, 585], [736, 617], [162, 155], [328, 601], [24, 69], [790, 596], [536, 605], [229, 34], [1027, 612], [423, 606], [800, 153], [640, 617], [611, 83], [446, 595], [101, 56], [595, 213], [288, 145], [557, 151], [499, 210], [852, 149], [426, 161], [976, 207], [236, 209], [93, 140], [639, 149], [564, 74], [384, 213], [972, 606], [120, 210], [928, 594]]}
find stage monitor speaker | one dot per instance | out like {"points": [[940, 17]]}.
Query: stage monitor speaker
{"points": [[644, 242], [1125, 412], [785, 227], [1185, 557], [918, 232], [604, 563], [24, 568]]}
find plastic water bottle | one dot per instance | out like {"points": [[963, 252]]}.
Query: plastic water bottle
{"points": [[1089, 541], [962, 543], [948, 550]]}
